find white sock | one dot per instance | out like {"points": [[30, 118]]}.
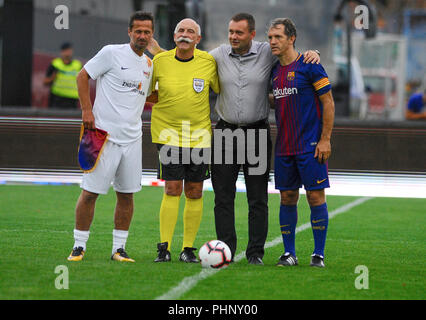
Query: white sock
{"points": [[80, 238], [119, 238]]}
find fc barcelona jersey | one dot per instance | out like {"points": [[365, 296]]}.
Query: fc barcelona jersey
{"points": [[298, 110]]}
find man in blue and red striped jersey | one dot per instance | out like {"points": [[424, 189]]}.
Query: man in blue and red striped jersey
{"points": [[304, 110]]}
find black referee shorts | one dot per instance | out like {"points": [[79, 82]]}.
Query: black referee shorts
{"points": [[177, 163]]}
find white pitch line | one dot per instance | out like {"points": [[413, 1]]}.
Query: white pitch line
{"points": [[189, 282]]}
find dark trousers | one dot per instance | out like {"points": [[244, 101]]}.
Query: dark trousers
{"points": [[57, 102], [224, 177]]}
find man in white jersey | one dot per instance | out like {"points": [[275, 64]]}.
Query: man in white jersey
{"points": [[123, 73]]}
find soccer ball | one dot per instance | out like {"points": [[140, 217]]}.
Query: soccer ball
{"points": [[215, 254]]}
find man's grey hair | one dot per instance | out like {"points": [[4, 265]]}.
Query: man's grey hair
{"points": [[289, 27], [198, 26]]}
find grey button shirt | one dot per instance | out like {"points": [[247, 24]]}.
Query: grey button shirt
{"points": [[244, 82]]}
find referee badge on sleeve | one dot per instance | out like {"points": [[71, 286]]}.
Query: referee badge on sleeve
{"points": [[198, 85]]}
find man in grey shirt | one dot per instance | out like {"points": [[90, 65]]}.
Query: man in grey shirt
{"points": [[244, 68]]}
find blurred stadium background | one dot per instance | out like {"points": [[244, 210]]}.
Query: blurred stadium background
{"points": [[371, 134]]}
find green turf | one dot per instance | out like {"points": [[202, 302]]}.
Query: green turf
{"points": [[386, 235]]}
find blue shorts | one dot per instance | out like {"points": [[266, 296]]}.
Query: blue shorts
{"points": [[291, 172]]}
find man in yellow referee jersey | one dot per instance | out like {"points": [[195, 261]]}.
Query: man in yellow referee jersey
{"points": [[181, 129]]}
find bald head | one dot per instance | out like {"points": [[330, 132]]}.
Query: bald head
{"points": [[189, 23]]}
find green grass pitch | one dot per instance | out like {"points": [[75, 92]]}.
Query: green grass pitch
{"points": [[385, 235]]}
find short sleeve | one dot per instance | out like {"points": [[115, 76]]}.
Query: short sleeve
{"points": [[100, 64], [151, 71], [150, 89], [50, 70], [155, 65], [214, 81], [415, 104], [319, 79], [215, 53]]}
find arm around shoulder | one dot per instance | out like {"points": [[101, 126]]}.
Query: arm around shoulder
{"points": [[154, 48], [312, 56]]}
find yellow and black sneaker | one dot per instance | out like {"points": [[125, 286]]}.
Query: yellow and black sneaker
{"points": [[121, 255], [76, 254]]}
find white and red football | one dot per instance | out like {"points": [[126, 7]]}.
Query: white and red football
{"points": [[215, 254]]}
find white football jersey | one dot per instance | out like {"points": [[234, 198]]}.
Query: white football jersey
{"points": [[122, 85]]}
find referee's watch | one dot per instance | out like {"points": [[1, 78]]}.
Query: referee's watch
{"points": [[318, 52]]}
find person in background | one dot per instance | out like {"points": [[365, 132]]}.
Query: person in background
{"points": [[416, 109], [61, 76]]}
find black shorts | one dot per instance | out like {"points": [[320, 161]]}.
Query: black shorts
{"points": [[62, 103], [178, 164]]}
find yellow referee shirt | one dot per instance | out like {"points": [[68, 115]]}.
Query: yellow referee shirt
{"points": [[181, 117]]}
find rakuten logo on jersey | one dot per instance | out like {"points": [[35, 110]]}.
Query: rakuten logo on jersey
{"points": [[284, 92]]}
